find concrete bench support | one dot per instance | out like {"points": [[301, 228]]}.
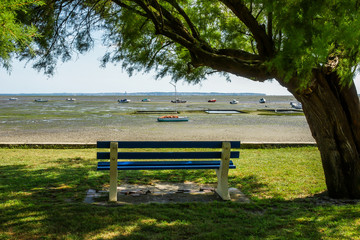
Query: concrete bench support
{"points": [[223, 172], [113, 171]]}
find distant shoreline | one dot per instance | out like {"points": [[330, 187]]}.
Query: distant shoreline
{"points": [[136, 94]]}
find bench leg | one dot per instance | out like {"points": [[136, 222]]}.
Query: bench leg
{"points": [[113, 172], [222, 173]]}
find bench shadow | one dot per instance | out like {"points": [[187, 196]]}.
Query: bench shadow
{"points": [[48, 203]]}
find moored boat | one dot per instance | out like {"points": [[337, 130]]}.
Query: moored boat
{"points": [[234, 101], [262, 100], [125, 100], [178, 101], [70, 99], [13, 99], [212, 100], [40, 100], [172, 118], [146, 100], [296, 105]]}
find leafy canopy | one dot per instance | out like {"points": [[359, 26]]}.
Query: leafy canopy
{"points": [[189, 39], [314, 32], [15, 36]]}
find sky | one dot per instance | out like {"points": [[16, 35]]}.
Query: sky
{"points": [[84, 75]]}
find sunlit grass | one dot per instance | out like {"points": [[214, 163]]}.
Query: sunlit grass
{"points": [[42, 193]]}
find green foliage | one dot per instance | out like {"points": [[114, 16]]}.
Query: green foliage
{"points": [[309, 33], [136, 44], [15, 36], [163, 36]]}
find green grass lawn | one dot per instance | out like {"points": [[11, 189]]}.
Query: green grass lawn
{"points": [[42, 193]]}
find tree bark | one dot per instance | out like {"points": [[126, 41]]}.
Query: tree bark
{"points": [[333, 114]]}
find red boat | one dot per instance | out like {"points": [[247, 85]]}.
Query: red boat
{"points": [[172, 118], [212, 100]]}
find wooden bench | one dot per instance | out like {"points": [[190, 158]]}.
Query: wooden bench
{"points": [[218, 160]]}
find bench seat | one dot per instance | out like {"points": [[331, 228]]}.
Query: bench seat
{"points": [[178, 158], [164, 165]]}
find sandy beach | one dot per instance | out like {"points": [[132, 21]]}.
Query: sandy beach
{"points": [[170, 131]]}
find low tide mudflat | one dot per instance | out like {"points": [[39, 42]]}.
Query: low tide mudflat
{"points": [[92, 118]]}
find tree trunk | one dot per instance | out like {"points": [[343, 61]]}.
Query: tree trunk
{"points": [[333, 114]]}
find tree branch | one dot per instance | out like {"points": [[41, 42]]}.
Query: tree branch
{"points": [[270, 24], [264, 42], [166, 24], [150, 14], [238, 54], [123, 5], [156, 53], [177, 25], [158, 7], [252, 69], [194, 31], [61, 25], [234, 61]]}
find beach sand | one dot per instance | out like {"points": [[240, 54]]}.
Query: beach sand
{"points": [[162, 132]]}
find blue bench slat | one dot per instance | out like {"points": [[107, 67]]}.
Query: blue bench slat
{"points": [[164, 167], [166, 155], [172, 144], [158, 163]]}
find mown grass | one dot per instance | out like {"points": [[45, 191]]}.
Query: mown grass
{"points": [[42, 193]]}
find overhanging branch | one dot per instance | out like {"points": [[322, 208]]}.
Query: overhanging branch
{"points": [[252, 69], [264, 42], [123, 5], [240, 54], [238, 62], [194, 31]]}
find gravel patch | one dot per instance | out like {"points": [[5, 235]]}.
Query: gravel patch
{"points": [[162, 193]]}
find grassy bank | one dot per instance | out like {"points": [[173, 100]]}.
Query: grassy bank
{"points": [[42, 193]]}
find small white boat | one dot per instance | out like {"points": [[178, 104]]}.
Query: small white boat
{"points": [[234, 101], [262, 100], [70, 99], [40, 100], [178, 101], [172, 118], [296, 105], [13, 99], [125, 100]]}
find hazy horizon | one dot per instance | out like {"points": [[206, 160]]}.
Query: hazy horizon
{"points": [[83, 75]]}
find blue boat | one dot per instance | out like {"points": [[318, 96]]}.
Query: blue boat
{"points": [[172, 118], [124, 100]]}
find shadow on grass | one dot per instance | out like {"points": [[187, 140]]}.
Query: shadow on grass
{"points": [[47, 203]]}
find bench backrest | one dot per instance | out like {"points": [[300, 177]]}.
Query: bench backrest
{"points": [[168, 144]]}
